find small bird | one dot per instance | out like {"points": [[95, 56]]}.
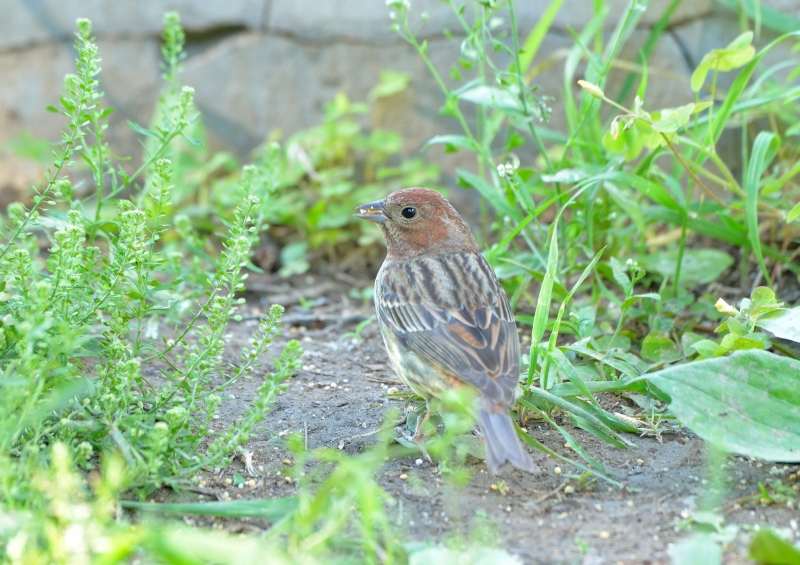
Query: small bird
{"points": [[443, 315]]}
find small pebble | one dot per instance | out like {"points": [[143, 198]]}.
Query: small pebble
{"points": [[604, 535], [418, 462], [403, 477], [640, 461]]}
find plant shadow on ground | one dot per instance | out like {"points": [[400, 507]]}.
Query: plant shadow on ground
{"points": [[339, 400]]}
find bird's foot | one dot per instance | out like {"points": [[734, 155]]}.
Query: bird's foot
{"points": [[419, 440]]}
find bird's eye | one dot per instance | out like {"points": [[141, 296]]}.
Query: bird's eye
{"points": [[408, 212]]}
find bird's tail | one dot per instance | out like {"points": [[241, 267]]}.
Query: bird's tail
{"points": [[502, 444]]}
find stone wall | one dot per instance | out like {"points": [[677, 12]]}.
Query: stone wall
{"points": [[261, 65]]}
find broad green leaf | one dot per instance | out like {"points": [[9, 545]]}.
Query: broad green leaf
{"points": [[768, 549], [673, 119], [720, 120], [738, 342], [629, 141], [657, 347], [761, 299], [706, 347], [688, 340], [747, 403], [699, 266], [784, 324], [738, 53]]}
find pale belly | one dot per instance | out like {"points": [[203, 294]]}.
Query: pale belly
{"points": [[425, 380]]}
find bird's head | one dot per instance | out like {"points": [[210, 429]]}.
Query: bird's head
{"points": [[417, 222]]}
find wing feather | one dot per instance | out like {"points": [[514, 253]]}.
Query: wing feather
{"points": [[454, 315]]}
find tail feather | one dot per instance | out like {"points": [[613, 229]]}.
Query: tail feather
{"points": [[502, 444]]}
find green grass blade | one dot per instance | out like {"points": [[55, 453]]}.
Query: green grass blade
{"points": [[647, 50], [573, 408], [530, 440], [534, 40], [488, 192], [543, 302], [566, 390], [571, 68], [765, 148]]}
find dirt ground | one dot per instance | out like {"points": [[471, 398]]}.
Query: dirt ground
{"points": [[339, 400]]}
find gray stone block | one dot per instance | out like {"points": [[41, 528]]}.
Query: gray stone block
{"points": [[25, 22], [368, 20], [33, 79]]}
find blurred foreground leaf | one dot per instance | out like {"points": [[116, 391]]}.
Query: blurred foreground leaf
{"points": [[271, 510], [768, 549], [473, 556]]}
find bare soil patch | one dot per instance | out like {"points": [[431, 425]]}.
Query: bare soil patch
{"points": [[339, 400]]}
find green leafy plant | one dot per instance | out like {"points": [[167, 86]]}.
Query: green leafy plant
{"points": [[81, 323]]}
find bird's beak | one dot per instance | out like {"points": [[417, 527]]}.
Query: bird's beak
{"points": [[374, 212]]}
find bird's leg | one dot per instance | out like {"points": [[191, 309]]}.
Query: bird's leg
{"points": [[419, 435]]}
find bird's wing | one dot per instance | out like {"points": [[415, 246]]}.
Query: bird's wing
{"points": [[452, 312]]}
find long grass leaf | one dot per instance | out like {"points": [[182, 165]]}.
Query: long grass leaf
{"points": [[765, 147], [532, 441], [534, 40]]}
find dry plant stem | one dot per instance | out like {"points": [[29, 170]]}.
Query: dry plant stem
{"points": [[552, 493], [695, 178]]}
